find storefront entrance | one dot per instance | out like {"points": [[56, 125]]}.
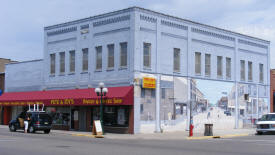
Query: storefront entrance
{"points": [[115, 118]]}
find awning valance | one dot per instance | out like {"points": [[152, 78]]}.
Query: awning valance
{"points": [[73, 97]]}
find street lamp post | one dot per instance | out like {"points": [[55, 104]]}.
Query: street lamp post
{"points": [[101, 91]]}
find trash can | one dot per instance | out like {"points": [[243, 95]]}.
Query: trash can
{"points": [[208, 129]]}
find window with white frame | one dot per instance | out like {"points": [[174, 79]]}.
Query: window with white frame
{"points": [[111, 55], [207, 65], [52, 57], [242, 65], [85, 53], [146, 55], [62, 62], [99, 58], [72, 61], [219, 66], [261, 73], [250, 73], [228, 68], [123, 54], [176, 60], [197, 63]]}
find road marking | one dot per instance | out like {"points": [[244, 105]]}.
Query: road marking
{"points": [[86, 135], [6, 140], [210, 137]]}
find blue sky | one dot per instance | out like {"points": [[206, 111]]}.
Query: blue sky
{"points": [[22, 22], [214, 90]]}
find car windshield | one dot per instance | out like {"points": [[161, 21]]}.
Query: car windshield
{"points": [[268, 117]]}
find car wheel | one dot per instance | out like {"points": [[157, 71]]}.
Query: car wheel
{"points": [[12, 128], [47, 131], [31, 129], [259, 133]]}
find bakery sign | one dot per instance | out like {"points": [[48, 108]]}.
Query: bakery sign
{"points": [[148, 82]]}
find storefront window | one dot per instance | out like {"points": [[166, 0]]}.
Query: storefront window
{"points": [[60, 115], [112, 116]]}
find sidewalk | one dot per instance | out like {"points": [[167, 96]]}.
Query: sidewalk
{"points": [[178, 135]]}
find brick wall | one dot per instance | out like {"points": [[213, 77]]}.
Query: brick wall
{"points": [[272, 89]]}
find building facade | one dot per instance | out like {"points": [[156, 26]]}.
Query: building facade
{"points": [[272, 90], [3, 111], [188, 66]]}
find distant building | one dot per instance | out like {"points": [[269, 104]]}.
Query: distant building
{"points": [[3, 110]]}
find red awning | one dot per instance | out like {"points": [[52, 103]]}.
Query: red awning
{"points": [[73, 97]]}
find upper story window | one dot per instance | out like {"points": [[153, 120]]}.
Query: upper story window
{"points": [[62, 62], [123, 54], [176, 60], [85, 53], [99, 58], [261, 73], [242, 63], [111, 55], [52, 57], [147, 55], [228, 68], [250, 73], [219, 66], [207, 64], [197, 63], [72, 61]]}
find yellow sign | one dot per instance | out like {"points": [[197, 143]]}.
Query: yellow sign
{"points": [[148, 82]]}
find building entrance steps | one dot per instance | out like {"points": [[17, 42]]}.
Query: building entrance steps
{"points": [[175, 135]]}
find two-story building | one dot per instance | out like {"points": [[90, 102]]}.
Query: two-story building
{"points": [[154, 66]]}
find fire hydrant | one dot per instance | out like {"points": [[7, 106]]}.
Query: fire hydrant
{"points": [[191, 130]]}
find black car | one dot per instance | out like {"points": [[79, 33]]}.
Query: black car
{"points": [[39, 121]]}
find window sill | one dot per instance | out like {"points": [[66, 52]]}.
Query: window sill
{"points": [[219, 77], [176, 72], [61, 74], [228, 78], [147, 68], [98, 70], [197, 74], [250, 80], [110, 69], [52, 75], [72, 73], [84, 72], [122, 67], [207, 76]]}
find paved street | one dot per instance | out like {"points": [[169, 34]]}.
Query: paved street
{"points": [[66, 144]]}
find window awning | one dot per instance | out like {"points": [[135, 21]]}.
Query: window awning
{"points": [[73, 97]]}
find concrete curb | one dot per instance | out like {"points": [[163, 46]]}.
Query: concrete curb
{"points": [[211, 137]]}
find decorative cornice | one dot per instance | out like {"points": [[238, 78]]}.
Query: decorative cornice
{"points": [[175, 25], [111, 20], [251, 43], [212, 34], [253, 52], [112, 31], [84, 26], [148, 19], [63, 40], [62, 31], [173, 35], [214, 44], [147, 30]]}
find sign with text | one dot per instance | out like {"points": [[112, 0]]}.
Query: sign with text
{"points": [[97, 129], [148, 82]]}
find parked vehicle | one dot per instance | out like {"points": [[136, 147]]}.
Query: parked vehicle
{"points": [[39, 121], [266, 123], [228, 113]]}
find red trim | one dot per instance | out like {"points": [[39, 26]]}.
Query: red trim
{"points": [[75, 97]]}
